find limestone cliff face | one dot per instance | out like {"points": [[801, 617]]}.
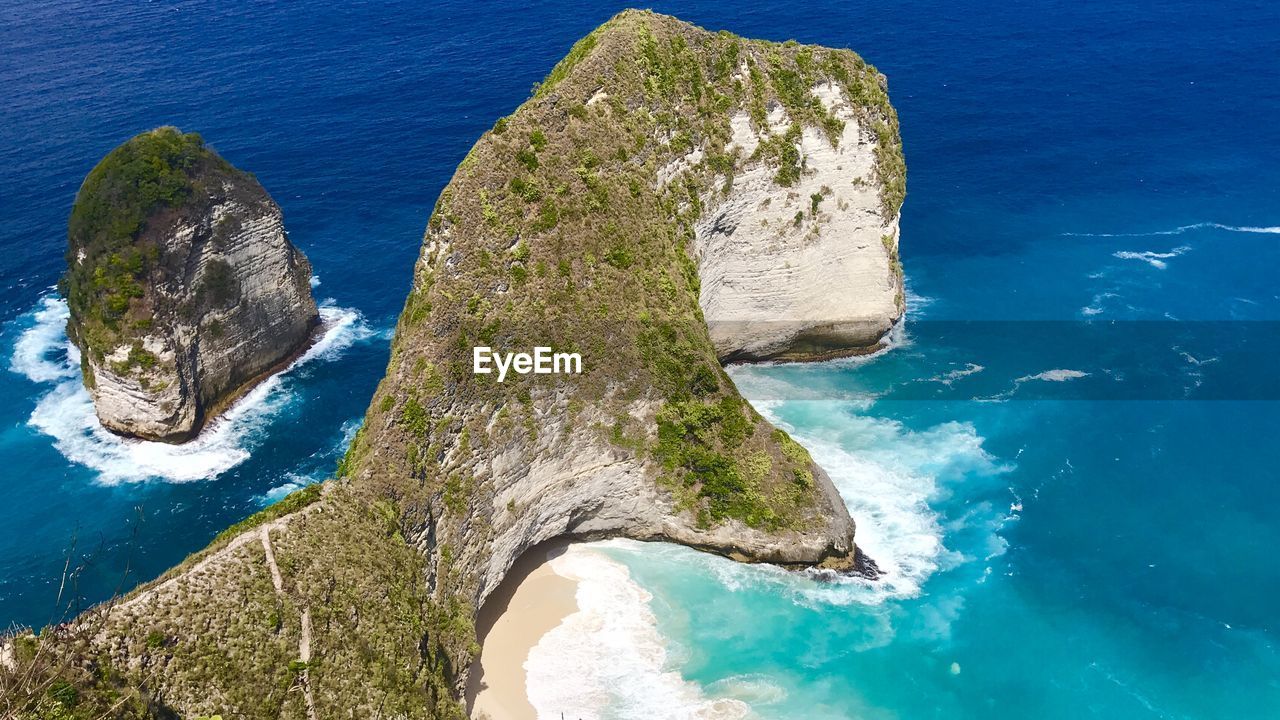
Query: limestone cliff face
{"points": [[807, 271], [669, 198], [183, 286], [628, 205], [586, 488]]}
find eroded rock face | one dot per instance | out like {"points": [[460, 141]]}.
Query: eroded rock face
{"points": [[807, 271], [177, 318], [579, 487], [608, 215], [669, 199]]}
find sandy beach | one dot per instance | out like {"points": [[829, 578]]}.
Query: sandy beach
{"points": [[532, 600]]}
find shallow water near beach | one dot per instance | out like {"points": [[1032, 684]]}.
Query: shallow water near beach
{"points": [[1066, 466]]}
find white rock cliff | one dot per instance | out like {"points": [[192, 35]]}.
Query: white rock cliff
{"points": [[805, 272]]}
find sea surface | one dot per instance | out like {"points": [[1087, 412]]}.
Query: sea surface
{"points": [[1067, 466]]}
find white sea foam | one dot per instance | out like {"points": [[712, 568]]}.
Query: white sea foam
{"points": [[1096, 305], [948, 378], [36, 352], [756, 690], [1151, 257], [277, 493], [886, 473], [1193, 359], [608, 658], [43, 354], [896, 339], [1057, 375], [321, 466], [1267, 230], [916, 304]]}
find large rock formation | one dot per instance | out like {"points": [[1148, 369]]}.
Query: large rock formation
{"points": [[659, 170], [588, 221], [183, 287]]}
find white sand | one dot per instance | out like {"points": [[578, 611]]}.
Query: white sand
{"points": [[532, 600]]}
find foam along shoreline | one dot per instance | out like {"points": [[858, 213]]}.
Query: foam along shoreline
{"points": [[608, 658], [44, 355], [570, 634], [532, 600]]}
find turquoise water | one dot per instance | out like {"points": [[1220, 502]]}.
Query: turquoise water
{"points": [[1067, 465], [1056, 544]]}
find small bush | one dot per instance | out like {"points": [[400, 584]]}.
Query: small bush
{"points": [[619, 257], [526, 190], [527, 158]]}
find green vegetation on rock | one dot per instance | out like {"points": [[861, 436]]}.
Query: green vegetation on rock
{"points": [[556, 231], [108, 256], [562, 227]]}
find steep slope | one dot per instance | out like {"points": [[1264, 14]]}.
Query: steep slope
{"points": [[584, 222], [183, 287], [573, 224], [803, 265]]}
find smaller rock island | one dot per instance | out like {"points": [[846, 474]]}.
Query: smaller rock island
{"points": [[183, 287]]}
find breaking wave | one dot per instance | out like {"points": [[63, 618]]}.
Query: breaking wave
{"points": [[887, 474], [608, 658], [44, 355]]}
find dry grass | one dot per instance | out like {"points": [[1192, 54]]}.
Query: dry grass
{"points": [[554, 231]]}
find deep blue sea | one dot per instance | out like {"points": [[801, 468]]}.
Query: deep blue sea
{"points": [[1068, 466]]}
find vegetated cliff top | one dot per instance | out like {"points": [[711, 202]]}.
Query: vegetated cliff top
{"points": [[141, 185], [560, 228], [568, 225]]}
